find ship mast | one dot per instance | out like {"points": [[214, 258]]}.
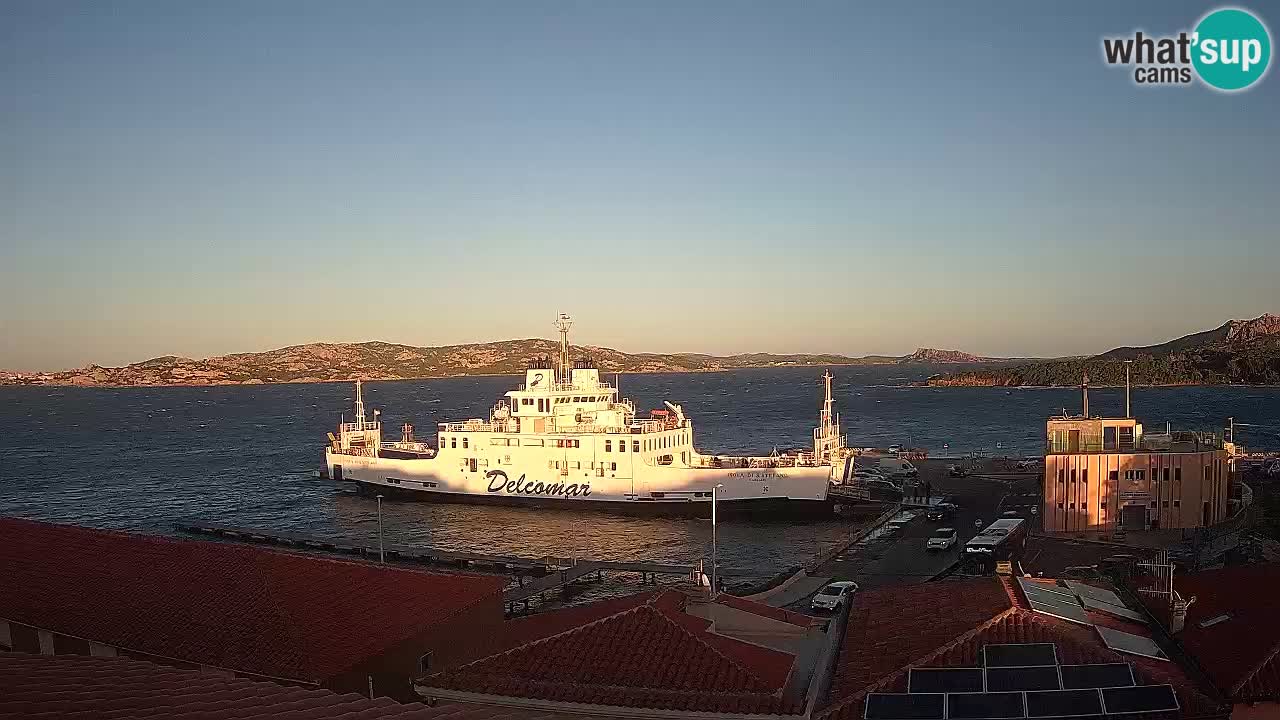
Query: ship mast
{"points": [[563, 323], [359, 405]]}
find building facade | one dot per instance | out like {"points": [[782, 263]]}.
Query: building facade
{"points": [[1106, 474]]}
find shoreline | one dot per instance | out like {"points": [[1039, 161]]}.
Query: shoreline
{"points": [[912, 385]]}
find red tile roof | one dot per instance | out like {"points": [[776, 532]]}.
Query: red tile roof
{"points": [[945, 624], [39, 687], [651, 655], [244, 608], [1240, 653], [895, 627]]}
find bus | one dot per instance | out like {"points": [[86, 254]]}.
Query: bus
{"points": [[999, 544]]}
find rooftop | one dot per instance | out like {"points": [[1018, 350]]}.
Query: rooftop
{"points": [[1232, 630], [40, 687], [264, 612], [946, 625], [657, 650]]}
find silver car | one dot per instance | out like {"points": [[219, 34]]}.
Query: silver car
{"points": [[834, 596]]}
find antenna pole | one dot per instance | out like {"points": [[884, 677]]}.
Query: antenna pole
{"points": [[1127, 364], [1085, 392], [359, 404], [563, 323]]}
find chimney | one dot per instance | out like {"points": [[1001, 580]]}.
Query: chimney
{"points": [[1178, 613], [1085, 392]]}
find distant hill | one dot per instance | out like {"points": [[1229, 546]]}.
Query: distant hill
{"points": [[929, 355], [323, 362], [1238, 352]]}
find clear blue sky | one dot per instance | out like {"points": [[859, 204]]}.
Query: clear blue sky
{"points": [[206, 178]]}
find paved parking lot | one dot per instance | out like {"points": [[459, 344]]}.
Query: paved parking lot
{"points": [[896, 554]]}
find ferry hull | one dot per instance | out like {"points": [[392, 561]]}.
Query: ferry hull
{"points": [[754, 508]]}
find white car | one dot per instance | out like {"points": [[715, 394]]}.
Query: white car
{"points": [[941, 539], [834, 596]]}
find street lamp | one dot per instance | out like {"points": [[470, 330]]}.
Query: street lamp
{"points": [[714, 570], [382, 556]]}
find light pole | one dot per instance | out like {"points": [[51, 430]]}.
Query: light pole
{"points": [[382, 556], [1127, 363], [715, 574]]}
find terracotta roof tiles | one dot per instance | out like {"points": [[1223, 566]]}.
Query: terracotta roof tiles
{"points": [[1240, 646], [651, 655], [238, 607], [71, 687]]}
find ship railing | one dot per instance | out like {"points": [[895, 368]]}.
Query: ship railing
{"points": [[355, 427]]}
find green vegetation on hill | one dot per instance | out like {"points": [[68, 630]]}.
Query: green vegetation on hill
{"points": [[1239, 352]]}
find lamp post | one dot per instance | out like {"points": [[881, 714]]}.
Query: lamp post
{"points": [[715, 574], [382, 556], [1127, 363]]}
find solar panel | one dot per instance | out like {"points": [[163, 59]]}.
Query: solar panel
{"points": [[1117, 610], [1129, 643], [1097, 593], [1063, 703], [1073, 613], [1102, 675], [1046, 588], [1044, 677], [1019, 655], [985, 706], [904, 706], [1139, 699], [1038, 592], [935, 680]]}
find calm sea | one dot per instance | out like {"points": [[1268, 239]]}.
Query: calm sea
{"points": [[142, 458]]}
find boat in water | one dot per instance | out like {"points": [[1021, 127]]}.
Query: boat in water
{"points": [[565, 438]]}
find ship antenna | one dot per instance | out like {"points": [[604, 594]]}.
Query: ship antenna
{"points": [[563, 323], [359, 404]]}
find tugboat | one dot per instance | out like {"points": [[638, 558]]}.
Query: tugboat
{"points": [[566, 439]]}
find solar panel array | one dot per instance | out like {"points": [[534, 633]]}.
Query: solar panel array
{"points": [[1065, 603], [1021, 682], [1121, 641]]}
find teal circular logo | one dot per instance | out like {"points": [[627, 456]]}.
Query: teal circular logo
{"points": [[1232, 49]]}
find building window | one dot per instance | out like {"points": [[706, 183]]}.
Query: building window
{"points": [[608, 446], [1153, 503], [613, 466], [1166, 474], [424, 663], [1166, 503], [622, 446], [1059, 506], [635, 446], [464, 443], [1060, 476], [1084, 476], [1113, 476], [1071, 506], [453, 442], [1177, 503]]}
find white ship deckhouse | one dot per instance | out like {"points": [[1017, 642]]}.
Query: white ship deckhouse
{"points": [[565, 438]]}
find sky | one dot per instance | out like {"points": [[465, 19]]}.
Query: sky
{"points": [[206, 178]]}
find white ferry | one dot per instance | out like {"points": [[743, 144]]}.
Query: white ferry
{"points": [[566, 439]]}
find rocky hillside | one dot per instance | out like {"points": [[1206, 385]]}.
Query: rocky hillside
{"points": [[941, 357], [1238, 352], [324, 362]]}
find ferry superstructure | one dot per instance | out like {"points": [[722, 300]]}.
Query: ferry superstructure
{"points": [[566, 438]]}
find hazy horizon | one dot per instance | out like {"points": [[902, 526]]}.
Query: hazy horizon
{"points": [[715, 178], [577, 342]]}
